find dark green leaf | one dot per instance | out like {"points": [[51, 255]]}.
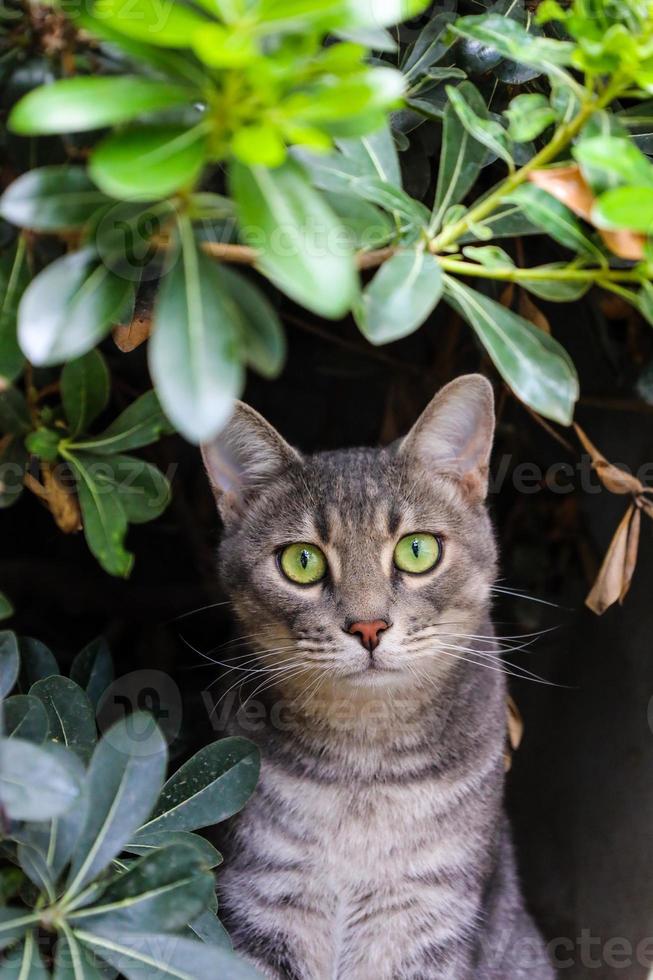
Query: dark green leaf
{"points": [[210, 787], [262, 335], [72, 105], [14, 413], [69, 307], [159, 956], [164, 890], [194, 352], [400, 296], [14, 923], [9, 662], [103, 516], [25, 717], [630, 208], [434, 41], [553, 217], [148, 842], [143, 489], [70, 714], [36, 868], [533, 364], [36, 662], [461, 161], [14, 277], [510, 39], [6, 608], [298, 236], [210, 930], [148, 162], [24, 962], [507, 222], [124, 780], [85, 388], [474, 116], [92, 669], [142, 423], [367, 226], [34, 783], [74, 961], [51, 199]]}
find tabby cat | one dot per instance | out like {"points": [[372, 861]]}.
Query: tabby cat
{"points": [[375, 846]]}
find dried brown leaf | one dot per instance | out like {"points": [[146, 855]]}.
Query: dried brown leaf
{"points": [[530, 311], [61, 502], [129, 336], [613, 581]]}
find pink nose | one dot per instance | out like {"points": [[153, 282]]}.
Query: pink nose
{"points": [[368, 633]]}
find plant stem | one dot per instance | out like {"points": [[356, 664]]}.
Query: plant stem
{"points": [[560, 139], [539, 273]]}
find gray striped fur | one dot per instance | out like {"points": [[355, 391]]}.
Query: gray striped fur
{"points": [[375, 846]]}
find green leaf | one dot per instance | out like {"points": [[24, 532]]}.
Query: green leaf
{"points": [[34, 783], [68, 308], [259, 144], [433, 42], [630, 208], [92, 669], [461, 161], [103, 516], [533, 364], [160, 955], [24, 962], [148, 162], [85, 386], [194, 353], [556, 291], [474, 116], [14, 413], [617, 160], [304, 15], [148, 842], [141, 423], [400, 296], [529, 115], [36, 662], [510, 39], [9, 662], [175, 26], [507, 222], [72, 105], [163, 890], [6, 608], [555, 218], [51, 198], [26, 718], [70, 714], [210, 930], [14, 277], [75, 962], [143, 489], [210, 787], [411, 213], [44, 443], [34, 865], [262, 335], [366, 225], [489, 256], [374, 155], [298, 236], [124, 780]]}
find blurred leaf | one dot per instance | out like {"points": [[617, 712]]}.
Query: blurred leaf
{"points": [[85, 386], [36, 662], [259, 144], [6, 608], [174, 27], [51, 198], [532, 363], [148, 162], [14, 277], [71, 105], [490, 256], [141, 423], [147, 842], [35, 867], [69, 307], [393, 199], [553, 217], [124, 780], [210, 930], [625, 207], [194, 353], [261, 331], [14, 413], [529, 115], [25, 717], [24, 962], [15, 922], [75, 962], [473, 114], [104, 518], [298, 237], [401, 295], [13, 464], [366, 225], [513, 41], [163, 890], [9, 661], [92, 669], [70, 714], [34, 784], [210, 787], [555, 291], [165, 955], [374, 155], [617, 160]]}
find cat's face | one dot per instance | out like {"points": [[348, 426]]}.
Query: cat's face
{"points": [[366, 567]]}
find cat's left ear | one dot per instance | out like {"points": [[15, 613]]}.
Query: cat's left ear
{"points": [[453, 435]]}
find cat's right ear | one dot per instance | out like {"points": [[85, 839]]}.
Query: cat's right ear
{"points": [[245, 454]]}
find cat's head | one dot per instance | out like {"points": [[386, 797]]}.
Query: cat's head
{"points": [[363, 567]]}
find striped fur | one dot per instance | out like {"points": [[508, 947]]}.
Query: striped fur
{"points": [[375, 846]]}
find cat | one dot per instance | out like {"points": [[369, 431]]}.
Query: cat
{"points": [[375, 846]]}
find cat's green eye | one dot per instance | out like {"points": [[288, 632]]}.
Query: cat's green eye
{"points": [[417, 553], [303, 563]]}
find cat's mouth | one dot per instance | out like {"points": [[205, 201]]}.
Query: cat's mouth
{"points": [[372, 669]]}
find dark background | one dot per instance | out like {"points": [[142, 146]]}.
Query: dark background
{"points": [[580, 791]]}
